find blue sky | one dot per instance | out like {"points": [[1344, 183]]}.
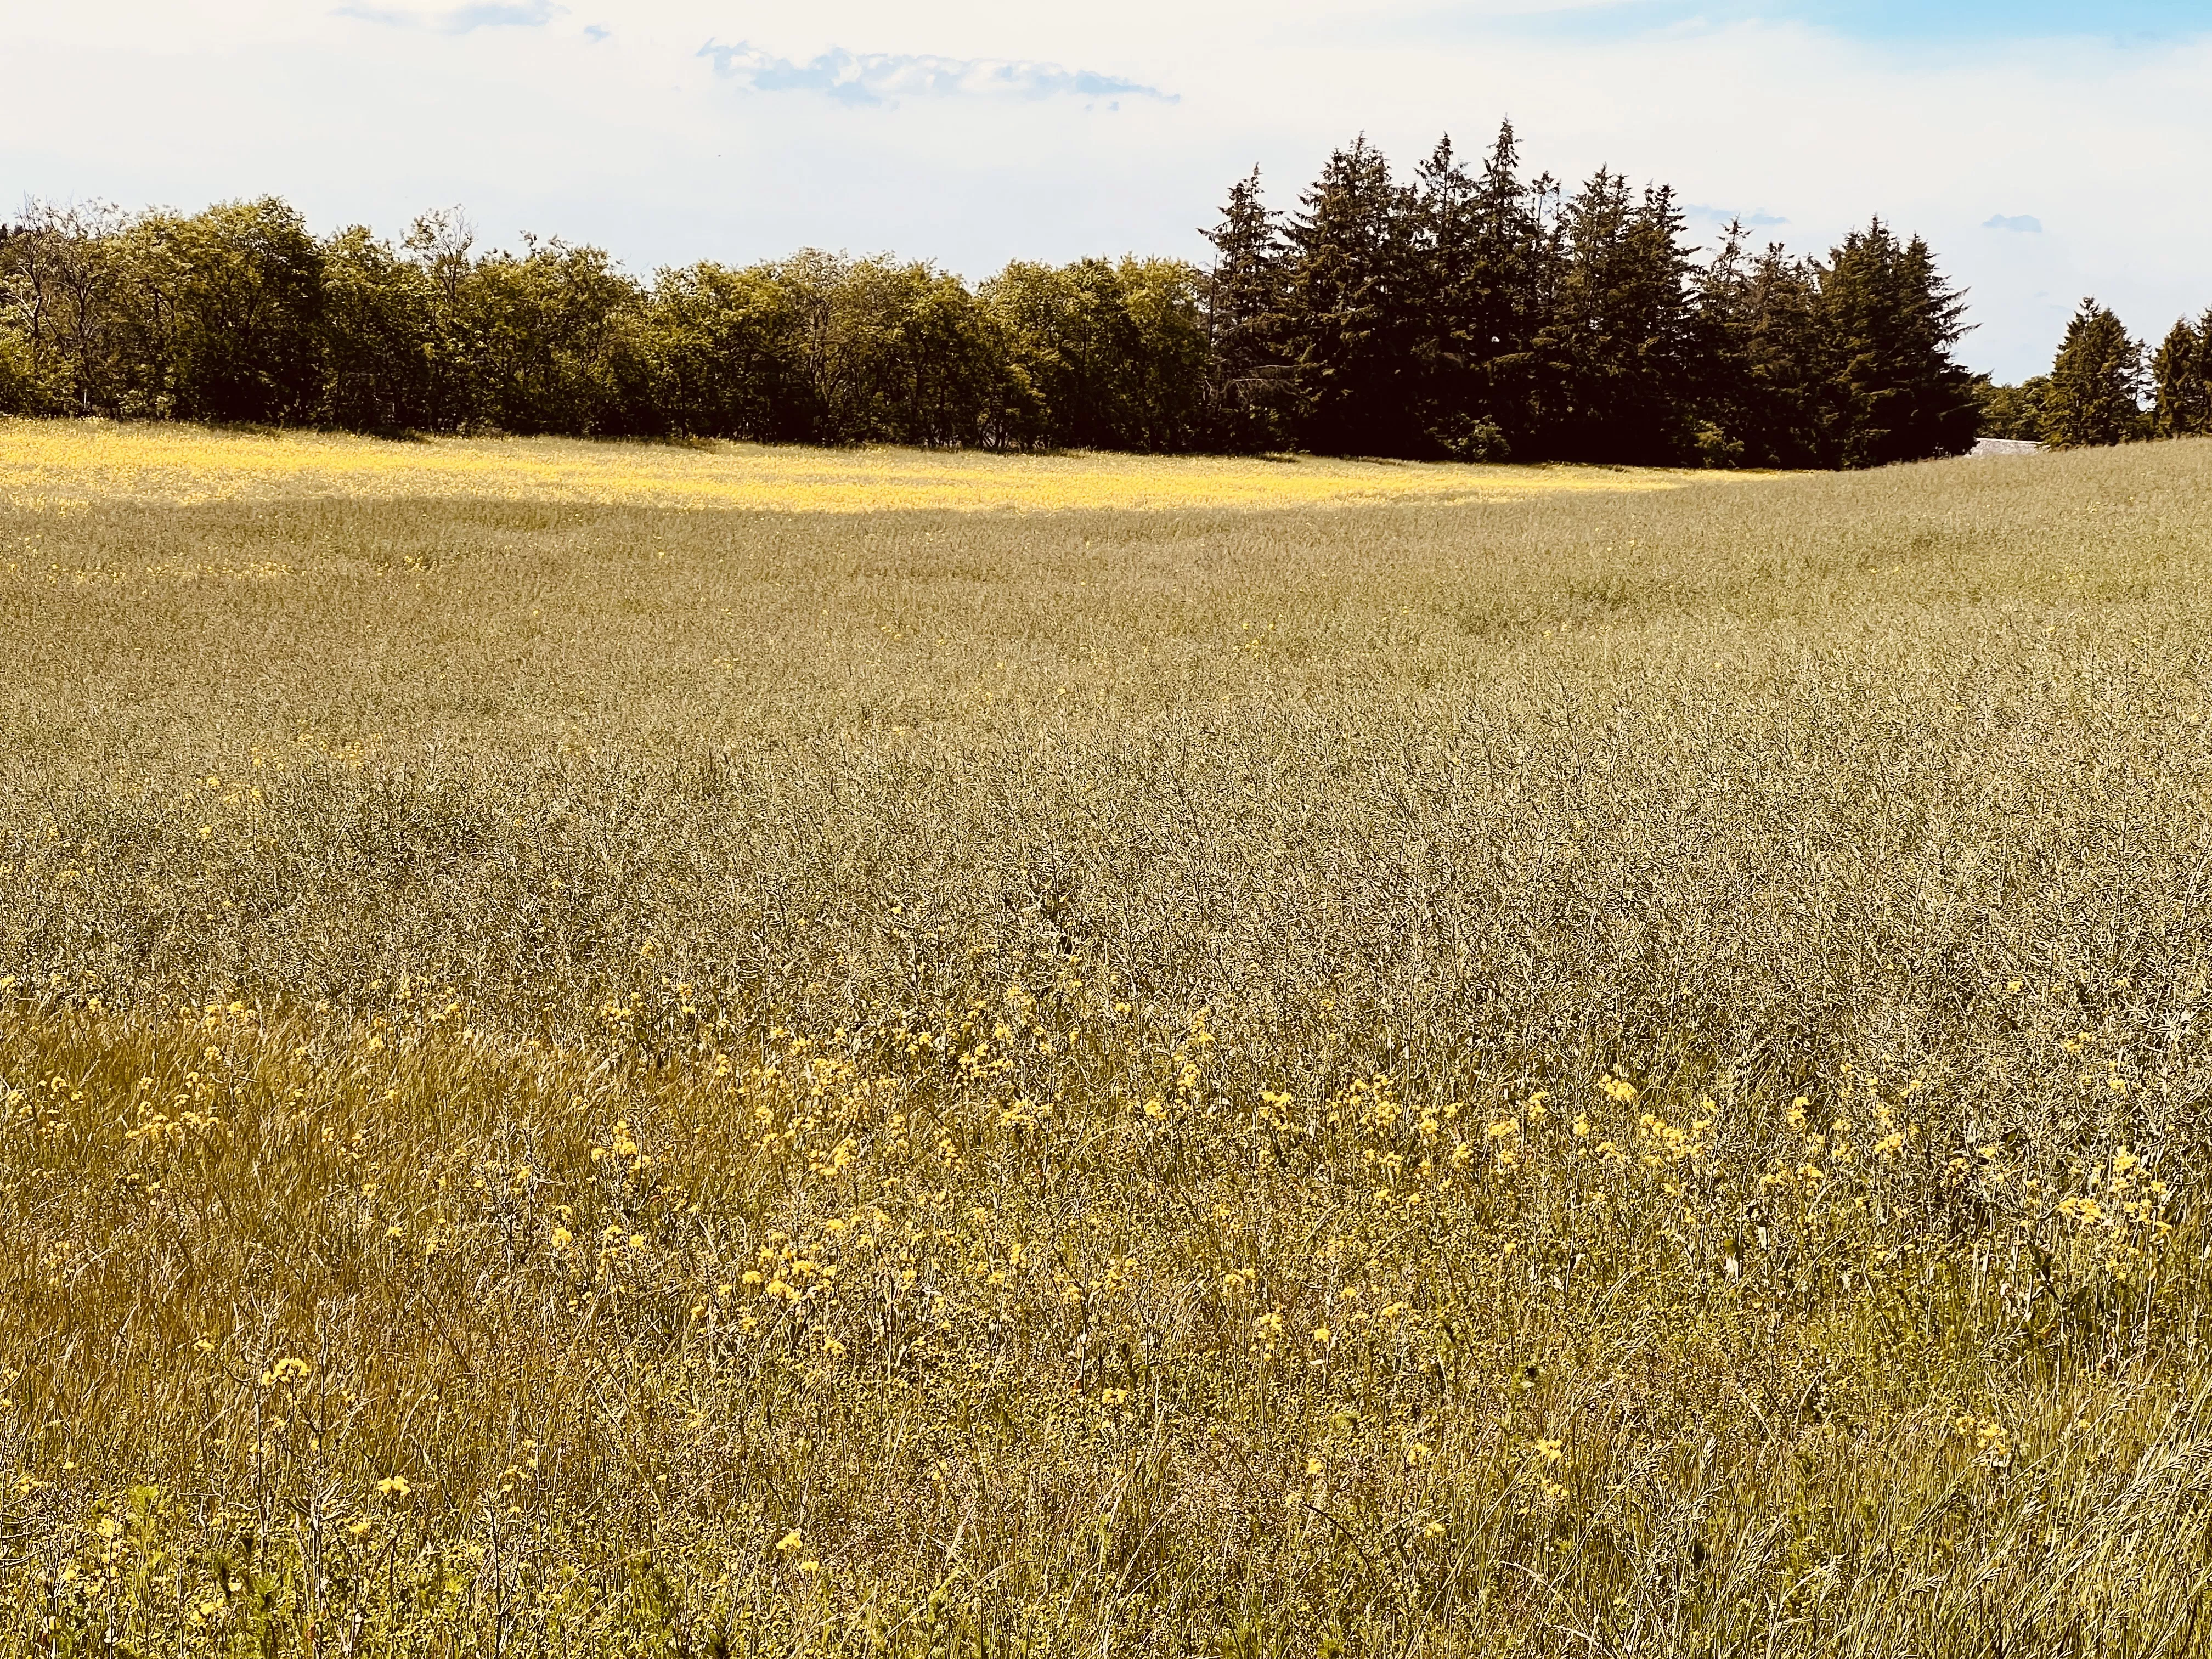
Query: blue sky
{"points": [[2046, 149], [2134, 21]]}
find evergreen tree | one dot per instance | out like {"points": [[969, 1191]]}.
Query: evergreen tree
{"points": [[1620, 338], [1888, 320], [1443, 296], [1249, 390], [1516, 276], [2015, 411], [2096, 383], [1347, 327], [1757, 328], [2181, 381]]}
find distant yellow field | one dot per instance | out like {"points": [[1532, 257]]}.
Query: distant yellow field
{"points": [[58, 465]]}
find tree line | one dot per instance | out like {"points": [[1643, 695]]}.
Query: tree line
{"points": [[1465, 310], [2096, 390]]}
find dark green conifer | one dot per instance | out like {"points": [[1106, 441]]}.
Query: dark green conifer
{"points": [[1347, 322], [1249, 390], [1619, 336], [1888, 320], [2096, 383], [2181, 381]]}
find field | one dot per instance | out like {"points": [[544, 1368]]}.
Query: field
{"points": [[57, 466], [633, 1051]]}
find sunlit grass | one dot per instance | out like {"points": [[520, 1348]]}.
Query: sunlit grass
{"points": [[57, 465], [1624, 1075]]}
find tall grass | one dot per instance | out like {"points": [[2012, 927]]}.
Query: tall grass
{"points": [[1605, 1073]]}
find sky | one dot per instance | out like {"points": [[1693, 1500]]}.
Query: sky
{"points": [[2047, 149]]}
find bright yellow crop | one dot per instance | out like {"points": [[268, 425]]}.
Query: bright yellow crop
{"points": [[56, 465]]}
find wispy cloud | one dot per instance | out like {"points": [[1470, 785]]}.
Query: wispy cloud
{"points": [[2027, 221], [877, 77], [1760, 220], [461, 19]]}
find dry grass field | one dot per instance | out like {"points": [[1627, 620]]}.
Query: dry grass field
{"points": [[1551, 1066]]}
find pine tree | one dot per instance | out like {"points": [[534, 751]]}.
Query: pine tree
{"points": [[1620, 338], [1758, 325], [1518, 242], [2181, 381], [1445, 297], [1888, 320], [2096, 382], [1480, 246], [1347, 326], [1249, 386]]}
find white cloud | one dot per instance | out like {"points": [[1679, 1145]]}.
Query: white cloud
{"points": [[1757, 219], [462, 20], [881, 77]]}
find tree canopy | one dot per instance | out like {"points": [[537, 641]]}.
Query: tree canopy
{"points": [[1466, 311]]}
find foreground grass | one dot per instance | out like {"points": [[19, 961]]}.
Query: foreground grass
{"points": [[1604, 1073]]}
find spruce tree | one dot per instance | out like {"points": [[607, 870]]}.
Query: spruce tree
{"points": [[1891, 390], [1347, 322], [1757, 397], [1247, 384], [1620, 338], [1517, 235], [1444, 298], [2096, 383], [2181, 381]]}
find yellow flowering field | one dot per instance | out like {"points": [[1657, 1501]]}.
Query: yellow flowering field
{"points": [[1619, 1072], [60, 465]]}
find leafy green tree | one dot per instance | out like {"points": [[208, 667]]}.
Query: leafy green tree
{"points": [[1114, 356], [2181, 381], [60, 278], [19, 381], [554, 341], [222, 313], [724, 348], [2014, 411], [2096, 383], [440, 244], [1163, 396], [1069, 340], [946, 365], [378, 327], [887, 352]]}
